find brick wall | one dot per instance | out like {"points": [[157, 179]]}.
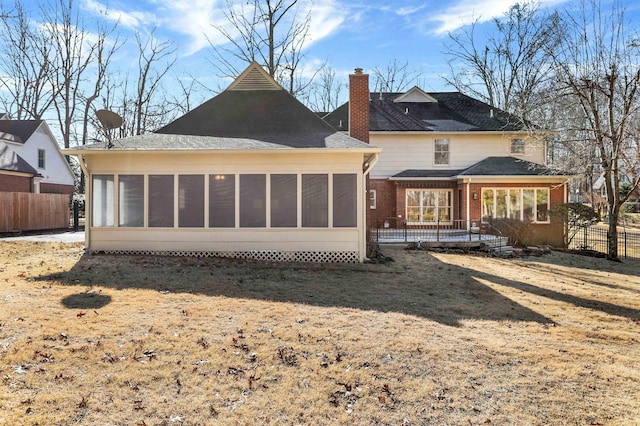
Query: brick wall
{"points": [[543, 233], [385, 200], [53, 188], [359, 105], [12, 183]]}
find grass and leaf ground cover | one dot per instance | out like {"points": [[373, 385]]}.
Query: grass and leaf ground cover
{"points": [[432, 338]]}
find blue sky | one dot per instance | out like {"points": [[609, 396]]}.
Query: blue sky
{"points": [[345, 33]]}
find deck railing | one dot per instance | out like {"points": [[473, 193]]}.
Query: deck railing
{"points": [[399, 229]]}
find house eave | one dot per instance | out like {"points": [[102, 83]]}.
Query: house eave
{"points": [[293, 151]]}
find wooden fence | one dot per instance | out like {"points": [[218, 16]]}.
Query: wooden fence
{"points": [[23, 211]]}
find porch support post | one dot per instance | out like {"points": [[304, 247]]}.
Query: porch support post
{"points": [[468, 207]]}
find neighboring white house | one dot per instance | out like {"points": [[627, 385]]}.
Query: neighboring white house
{"points": [[250, 173], [33, 162]]}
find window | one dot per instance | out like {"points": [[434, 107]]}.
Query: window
{"points": [[222, 201], [373, 199], [284, 201], [103, 200], [517, 146], [191, 201], [344, 200], [161, 201], [441, 152], [526, 204], [253, 201], [41, 158], [131, 200], [428, 206], [315, 201]]}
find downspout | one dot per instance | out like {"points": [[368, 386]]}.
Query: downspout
{"points": [[468, 207], [367, 166], [87, 202]]}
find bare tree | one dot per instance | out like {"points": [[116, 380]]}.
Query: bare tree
{"points": [[326, 91], [394, 77], [270, 32], [27, 65], [138, 97], [597, 64], [155, 60], [510, 70]]}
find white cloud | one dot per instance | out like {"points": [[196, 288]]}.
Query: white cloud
{"points": [[128, 19], [465, 12]]}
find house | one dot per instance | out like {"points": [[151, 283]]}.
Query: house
{"points": [[30, 160], [449, 160], [250, 173]]}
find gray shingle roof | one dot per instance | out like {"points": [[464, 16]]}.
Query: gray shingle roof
{"points": [[507, 166], [453, 112], [165, 142], [18, 131], [490, 166], [417, 174], [11, 161]]}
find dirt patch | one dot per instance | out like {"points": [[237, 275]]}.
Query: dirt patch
{"points": [[430, 338]]}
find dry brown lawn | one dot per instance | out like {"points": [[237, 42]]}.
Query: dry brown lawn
{"points": [[432, 338]]}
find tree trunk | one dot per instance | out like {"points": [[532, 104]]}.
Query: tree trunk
{"points": [[612, 233]]}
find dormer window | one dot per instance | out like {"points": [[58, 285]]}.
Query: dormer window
{"points": [[517, 146]]}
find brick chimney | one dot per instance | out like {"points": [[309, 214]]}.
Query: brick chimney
{"points": [[359, 105]]}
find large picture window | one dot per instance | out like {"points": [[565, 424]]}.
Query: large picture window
{"points": [[315, 201], [191, 201], [527, 204], [222, 201], [102, 200], [131, 200], [429, 206], [161, 201]]}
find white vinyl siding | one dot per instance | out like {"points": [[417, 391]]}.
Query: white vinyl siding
{"points": [[416, 151]]}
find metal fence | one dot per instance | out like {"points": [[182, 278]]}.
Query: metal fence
{"points": [[595, 238]]}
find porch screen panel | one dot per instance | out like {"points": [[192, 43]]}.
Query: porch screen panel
{"points": [[131, 199], [222, 201], [103, 200], [542, 205], [191, 201], [284, 201], [315, 201], [253, 201], [161, 189], [345, 200]]}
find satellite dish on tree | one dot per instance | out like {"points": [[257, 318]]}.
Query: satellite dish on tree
{"points": [[109, 119]]}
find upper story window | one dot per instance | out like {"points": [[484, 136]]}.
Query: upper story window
{"points": [[517, 146], [441, 152], [41, 158]]}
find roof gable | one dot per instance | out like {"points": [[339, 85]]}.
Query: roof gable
{"points": [[416, 95], [413, 111], [11, 161], [254, 78], [18, 131]]}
